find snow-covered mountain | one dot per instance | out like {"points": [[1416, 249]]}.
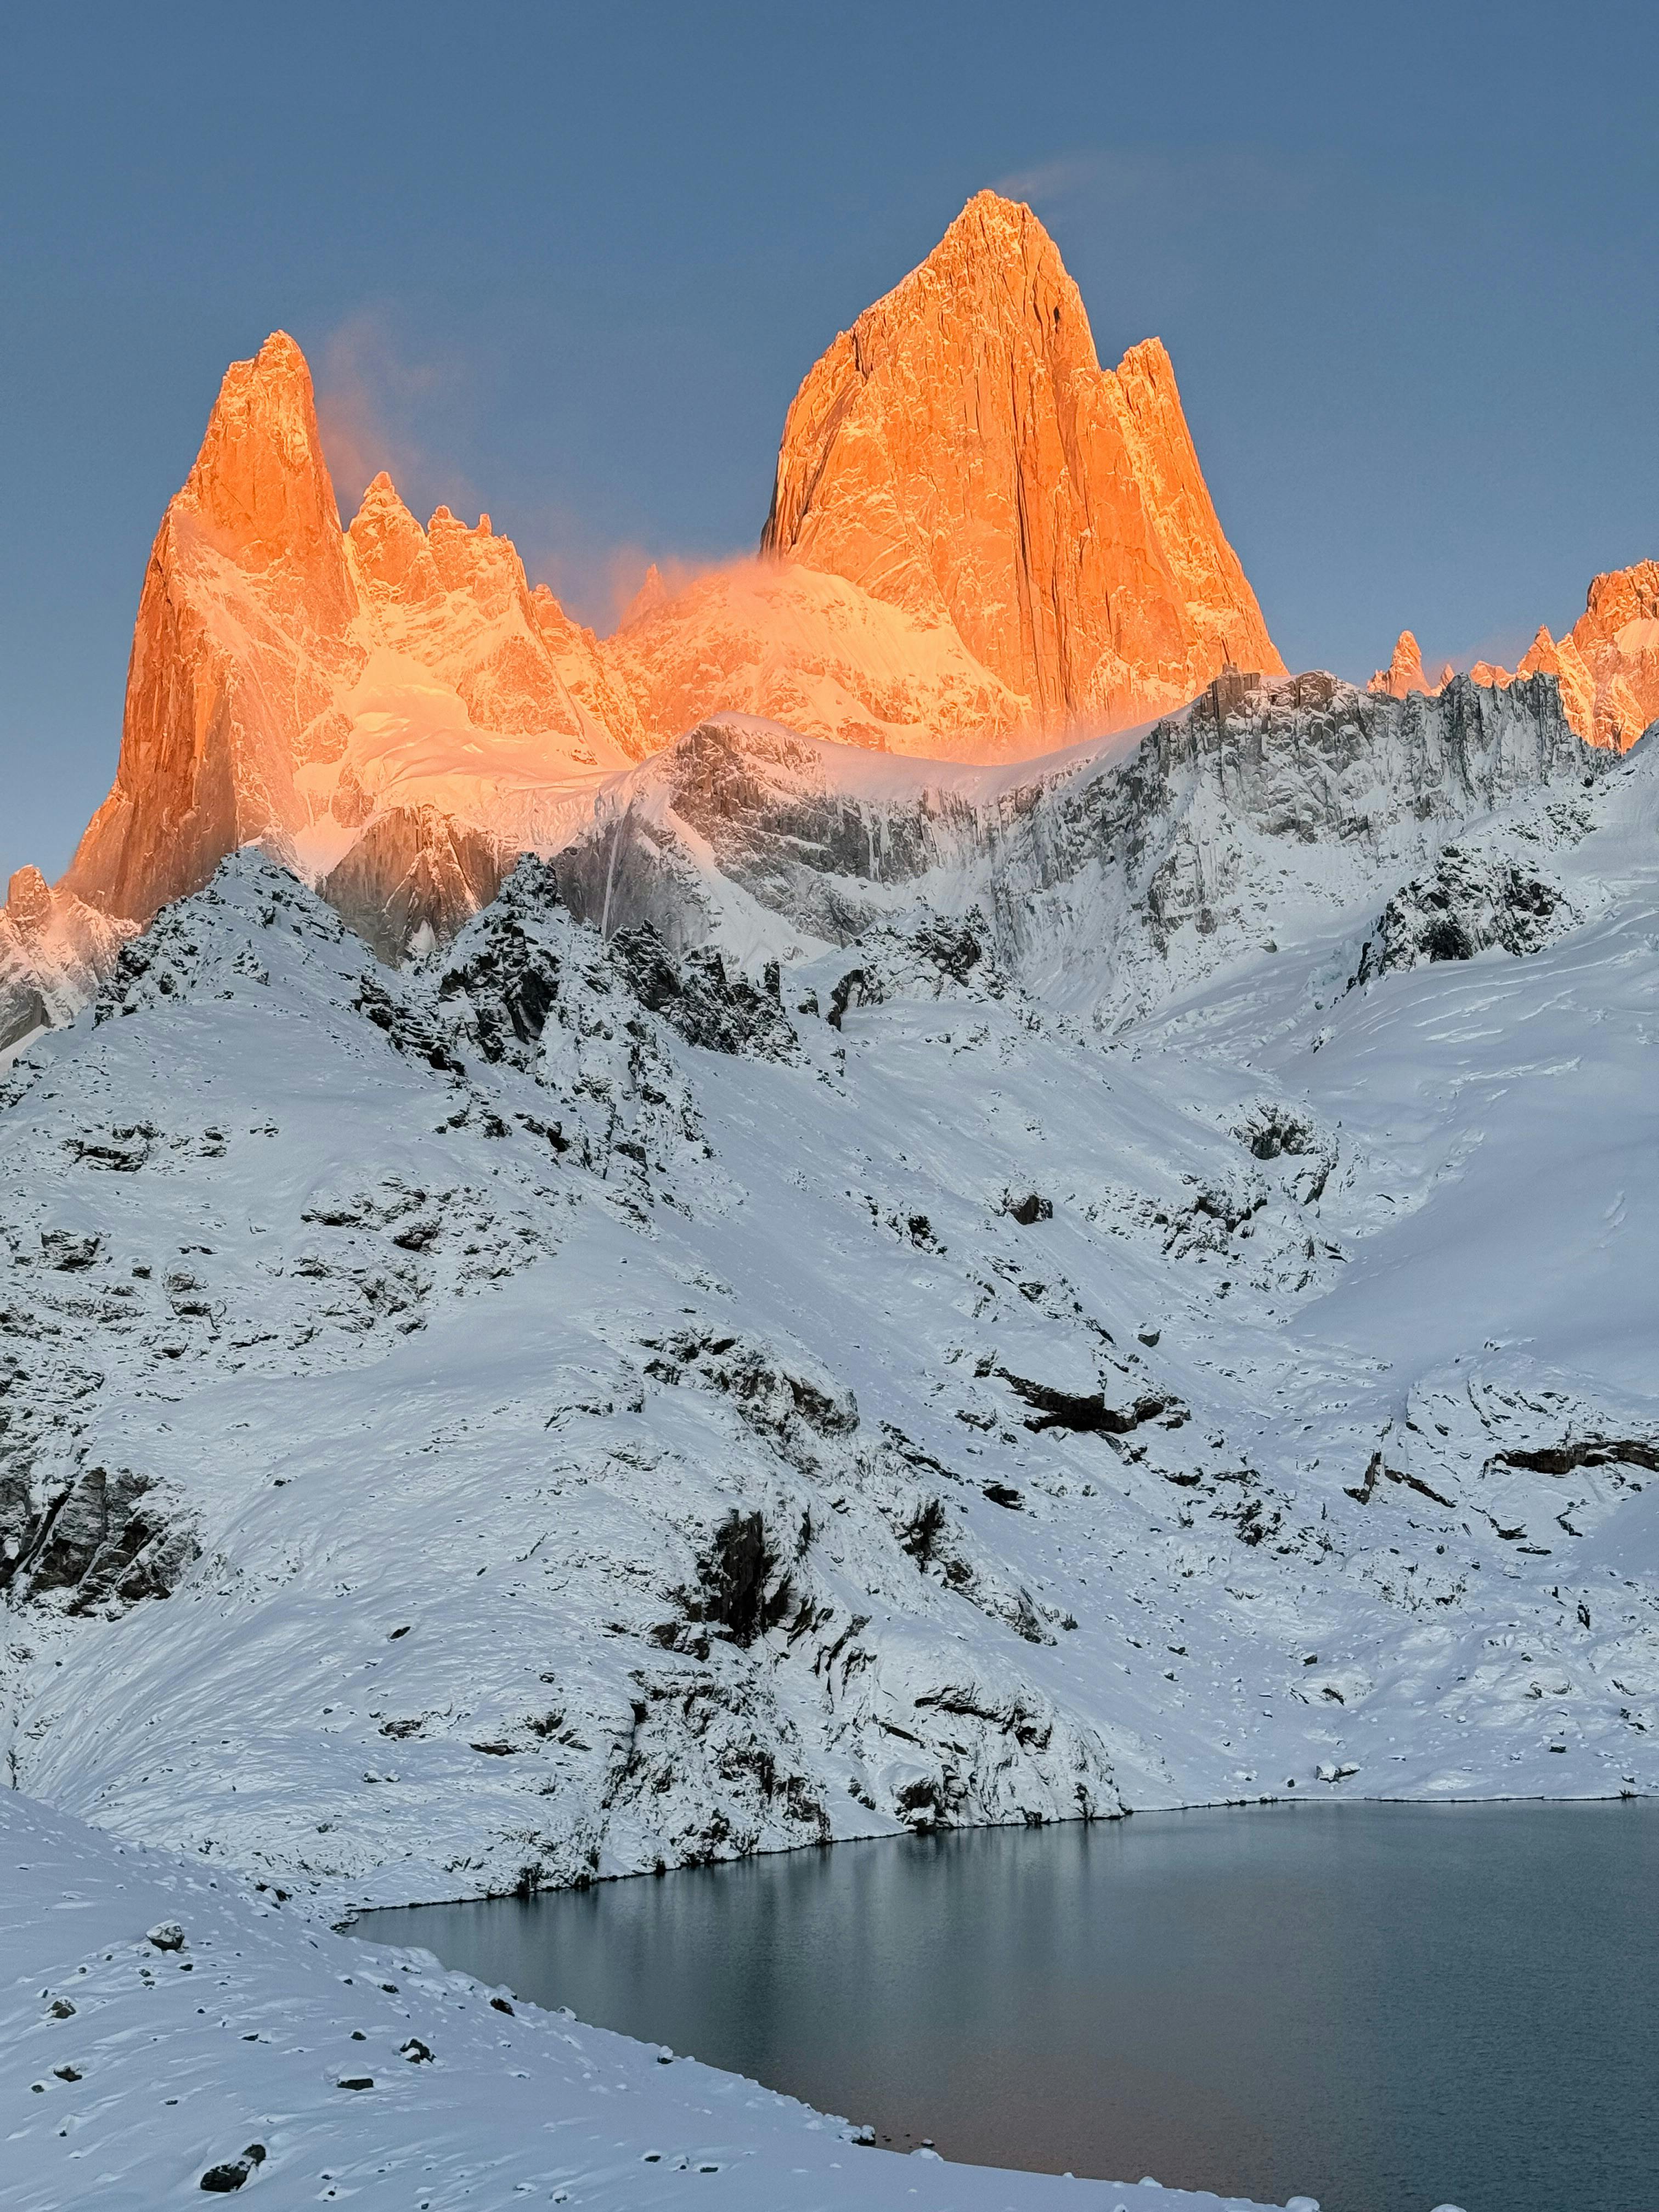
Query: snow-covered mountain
{"points": [[846, 1300], [978, 536], [607, 1262]]}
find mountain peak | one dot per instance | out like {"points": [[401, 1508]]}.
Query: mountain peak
{"points": [[1607, 665], [961, 453], [998, 230], [260, 487], [388, 541], [1404, 673], [990, 223], [28, 898], [652, 594]]}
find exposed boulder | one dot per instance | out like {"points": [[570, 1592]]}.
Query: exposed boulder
{"points": [[709, 1005], [105, 1537]]}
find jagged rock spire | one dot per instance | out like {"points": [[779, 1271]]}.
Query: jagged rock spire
{"points": [[1404, 673], [241, 641], [961, 453], [260, 487]]}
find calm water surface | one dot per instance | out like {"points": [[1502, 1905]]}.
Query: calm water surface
{"points": [[1382, 2006]]}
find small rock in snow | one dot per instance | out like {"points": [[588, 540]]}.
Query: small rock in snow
{"points": [[220, 2180]]}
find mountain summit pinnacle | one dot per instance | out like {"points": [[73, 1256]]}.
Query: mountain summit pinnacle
{"points": [[238, 648], [260, 488], [961, 453]]}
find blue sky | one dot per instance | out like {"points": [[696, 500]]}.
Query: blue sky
{"points": [[570, 264]]}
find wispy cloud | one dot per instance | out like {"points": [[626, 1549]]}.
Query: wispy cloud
{"points": [[385, 403], [372, 392], [1174, 187], [597, 582]]}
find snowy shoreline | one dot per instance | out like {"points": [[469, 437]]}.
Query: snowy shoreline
{"points": [[374, 2074], [341, 1913]]}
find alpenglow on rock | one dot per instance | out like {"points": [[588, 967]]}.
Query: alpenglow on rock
{"points": [[1607, 665], [1405, 674], [960, 453], [291, 681]]}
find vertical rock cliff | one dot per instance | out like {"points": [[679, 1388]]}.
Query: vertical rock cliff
{"points": [[242, 649], [292, 683], [961, 453], [1612, 691]]}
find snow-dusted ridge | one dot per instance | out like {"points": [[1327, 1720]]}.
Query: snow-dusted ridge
{"points": [[1108, 876]]}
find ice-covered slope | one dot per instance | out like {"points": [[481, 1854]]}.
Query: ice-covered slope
{"points": [[585, 1409], [800, 646]]}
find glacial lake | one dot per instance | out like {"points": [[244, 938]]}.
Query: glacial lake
{"points": [[1385, 2007]]}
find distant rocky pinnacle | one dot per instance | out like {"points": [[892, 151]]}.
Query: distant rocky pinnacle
{"points": [[53, 948], [1404, 673], [961, 453], [1607, 666]]}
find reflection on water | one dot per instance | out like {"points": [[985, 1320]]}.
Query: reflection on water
{"points": [[1383, 2006]]}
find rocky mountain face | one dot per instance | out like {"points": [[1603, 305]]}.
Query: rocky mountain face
{"points": [[241, 648], [978, 536], [1113, 875], [980, 541], [53, 947], [960, 454], [294, 683], [1607, 665]]}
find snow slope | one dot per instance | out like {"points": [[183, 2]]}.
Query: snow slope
{"points": [[570, 1447]]}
